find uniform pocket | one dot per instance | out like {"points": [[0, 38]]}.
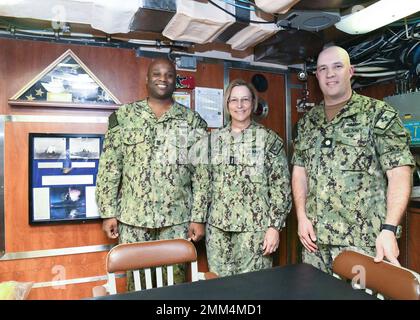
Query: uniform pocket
{"points": [[353, 159], [134, 145], [134, 136], [352, 153], [306, 150]]}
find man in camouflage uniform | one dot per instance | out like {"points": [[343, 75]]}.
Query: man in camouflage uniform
{"points": [[352, 170], [251, 191], [146, 187]]}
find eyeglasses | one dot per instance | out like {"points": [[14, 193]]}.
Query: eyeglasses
{"points": [[245, 101]]}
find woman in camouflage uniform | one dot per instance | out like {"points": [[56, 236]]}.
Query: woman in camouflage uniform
{"points": [[250, 188]]}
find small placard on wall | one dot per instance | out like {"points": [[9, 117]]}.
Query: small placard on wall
{"points": [[209, 104]]}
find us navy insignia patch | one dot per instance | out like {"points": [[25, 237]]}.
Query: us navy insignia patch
{"points": [[276, 147]]}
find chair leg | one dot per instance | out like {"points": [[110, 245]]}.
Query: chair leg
{"points": [[194, 271], [137, 281], [159, 282], [170, 275]]}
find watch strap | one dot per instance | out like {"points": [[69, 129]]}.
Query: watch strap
{"points": [[389, 227]]}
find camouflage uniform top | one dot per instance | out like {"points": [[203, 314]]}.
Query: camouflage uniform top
{"points": [[346, 161], [251, 187], [143, 178]]}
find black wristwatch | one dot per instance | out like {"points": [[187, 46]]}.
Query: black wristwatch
{"points": [[389, 227]]}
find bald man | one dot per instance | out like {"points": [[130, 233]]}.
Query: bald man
{"points": [[147, 188], [351, 175]]}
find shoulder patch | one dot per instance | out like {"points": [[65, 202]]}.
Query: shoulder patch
{"points": [[112, 121], [276, 147], [385, 119]]}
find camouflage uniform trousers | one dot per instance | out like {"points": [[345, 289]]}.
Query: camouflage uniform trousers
{"points": [[130, 234], [230, 253], [323, 258]]}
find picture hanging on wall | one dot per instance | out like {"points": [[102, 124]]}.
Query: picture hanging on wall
{"points": [[67, 82], [62, 177]]}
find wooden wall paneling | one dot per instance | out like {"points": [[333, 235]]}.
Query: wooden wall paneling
{"points": [[414, 241], [142, 71], [403, 240], [67, 292], [209, 75], [57, 268], [4, 77], [117, 69], [70, 291], [19, 235], [409, 243]]}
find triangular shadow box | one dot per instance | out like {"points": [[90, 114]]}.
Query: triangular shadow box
{"points": [[66, 82]]}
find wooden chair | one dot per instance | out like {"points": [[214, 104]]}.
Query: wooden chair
{"points": [[387, 280], [148, 255]]}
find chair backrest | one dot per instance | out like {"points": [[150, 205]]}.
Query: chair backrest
{"points": [[147, 255], [384, 278]]}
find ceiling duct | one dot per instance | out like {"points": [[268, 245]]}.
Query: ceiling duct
{"points": [[289, 47], [153, 15], [242, 21], [308, 20], [198, 22], [249, 28]]}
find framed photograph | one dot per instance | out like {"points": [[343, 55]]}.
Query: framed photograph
{"points": [[62, 177]]}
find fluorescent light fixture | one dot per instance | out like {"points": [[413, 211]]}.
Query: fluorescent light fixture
{"points": [[377, 15]]}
